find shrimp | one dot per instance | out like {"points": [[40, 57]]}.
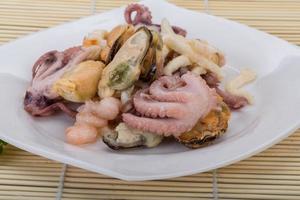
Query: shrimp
{"points": [[81, 134], [91, 118], [108, 108]]}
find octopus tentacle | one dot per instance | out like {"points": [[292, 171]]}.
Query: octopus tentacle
{"points": [[233, 101], [169, 89], [179, 31], [143, 15], [42, 64], [50, 65], [51, 109], [164, 127], [149, 107]]}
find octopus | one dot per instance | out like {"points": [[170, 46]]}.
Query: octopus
{"points": [[233, 101], [143, 16], [91, 118], [40, 98], [171, 105]]}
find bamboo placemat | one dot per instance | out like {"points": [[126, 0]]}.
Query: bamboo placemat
{"points": [[272, 174]]}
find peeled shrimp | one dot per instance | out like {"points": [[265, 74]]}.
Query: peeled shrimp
{"points": [[81, 134], [91, 118]]}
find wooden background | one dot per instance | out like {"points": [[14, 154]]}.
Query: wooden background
{"points": [[273, 174]]}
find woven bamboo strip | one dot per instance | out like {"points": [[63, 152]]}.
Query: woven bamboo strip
{"points": [[29, 169], [29, 177], [27, 193], [167, 183], [205, 187], [137, 192], [6, 197], [27, 188], [76, 172], [260, 187], [258, 191], [259, 181], [123, 197], [257, 196], [259, 176], [36, 183], [264, 171], [30, 173]]}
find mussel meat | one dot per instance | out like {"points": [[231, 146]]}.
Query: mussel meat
{"points": [[125, 68], [80, 83], [115, 39], [124, 137]]}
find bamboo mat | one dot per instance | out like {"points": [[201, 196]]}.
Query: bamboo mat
{"points": [[272, 174]]}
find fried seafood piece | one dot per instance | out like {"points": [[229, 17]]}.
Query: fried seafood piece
{"points": [[96, 37], [123, 137], [114, 40], [207, 129], [91, 118], [182, 46], [210, 52], [125, 68], [81, 83]]}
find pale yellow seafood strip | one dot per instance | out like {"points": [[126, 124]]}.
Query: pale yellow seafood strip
{"points": [[165, 51], [235, 85], [181, 45], [198, 70], [207, 50], [175, 64]]}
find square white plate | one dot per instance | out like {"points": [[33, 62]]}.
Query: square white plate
{"points": [[275, 114]]}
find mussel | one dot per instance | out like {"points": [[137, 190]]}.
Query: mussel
{"points": [[124, 137], [207, 129], [115, 39], [153, 62], [125, 68], [80, 83]]}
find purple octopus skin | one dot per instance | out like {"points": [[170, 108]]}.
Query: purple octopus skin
{"points": [[233, 101], [143, 16], [40, 99]]}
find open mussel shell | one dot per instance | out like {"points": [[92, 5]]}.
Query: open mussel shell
{"points": [[123, 137], [208, 129], [80, 83], [153, 58], [125, 68], [115, 39]]}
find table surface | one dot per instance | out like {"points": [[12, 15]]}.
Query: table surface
{"points": [[272, 174]]}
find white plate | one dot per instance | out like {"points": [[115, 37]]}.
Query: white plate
{"points": [[275, 114]]}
